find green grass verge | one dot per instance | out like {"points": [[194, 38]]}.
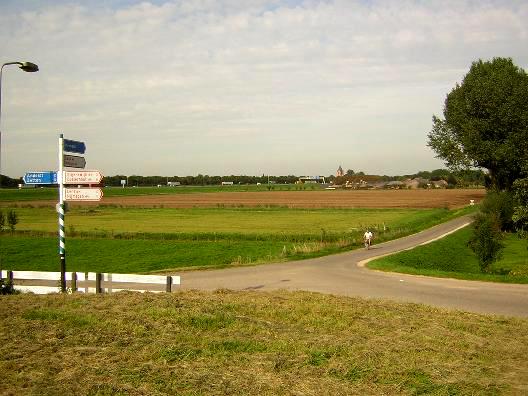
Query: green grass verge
{"points": [[149, 240], [234, 343], [451, 257], [133, 256]]}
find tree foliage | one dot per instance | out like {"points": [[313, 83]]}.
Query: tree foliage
{"points": [[486, 122], [520, 211], [486, 240]]}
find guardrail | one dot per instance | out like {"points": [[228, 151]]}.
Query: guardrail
{"points": [[88, 282]]}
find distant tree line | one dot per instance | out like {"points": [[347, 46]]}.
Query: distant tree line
{"points": [[462, 178], [198, 180]]}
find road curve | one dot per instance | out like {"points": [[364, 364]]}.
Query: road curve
{"points": [[342, 274]]}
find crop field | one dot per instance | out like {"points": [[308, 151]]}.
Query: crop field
{"points": [[232, 196]]}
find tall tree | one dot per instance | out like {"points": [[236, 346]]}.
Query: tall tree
{"points": [[486, 122]]}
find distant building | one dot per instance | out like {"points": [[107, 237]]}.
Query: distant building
{"points": [[340, 172], [312, 179]]}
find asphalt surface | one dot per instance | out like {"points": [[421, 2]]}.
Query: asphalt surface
{"points": [[344, 274]]}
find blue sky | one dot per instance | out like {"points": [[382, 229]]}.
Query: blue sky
{"points": [[241, 87]]}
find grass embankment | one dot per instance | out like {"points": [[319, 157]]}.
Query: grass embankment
{"points": [[451, 257], [234, 343], [146, 240]]}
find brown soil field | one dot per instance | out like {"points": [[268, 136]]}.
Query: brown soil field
{"points": [[304, 199]]}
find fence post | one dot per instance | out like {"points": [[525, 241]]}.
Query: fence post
{"points": [[168, 288], [10, 276], [98, 281], [74, 282]]}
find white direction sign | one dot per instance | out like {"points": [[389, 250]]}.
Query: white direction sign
{"points": [[83, 194], [82, 177]]}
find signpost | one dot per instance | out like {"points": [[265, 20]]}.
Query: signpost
{"points": [[82, 177], [47, 177], [83, 194], [74, 161]]}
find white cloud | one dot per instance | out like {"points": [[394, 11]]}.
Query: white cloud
{"points": [[202, 85]]}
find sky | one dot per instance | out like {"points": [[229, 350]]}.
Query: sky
{"points": [[241, 87]]}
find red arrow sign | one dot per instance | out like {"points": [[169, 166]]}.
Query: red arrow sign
{"points": [[83, 194], [82, 177]]}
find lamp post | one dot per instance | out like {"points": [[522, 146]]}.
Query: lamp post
{"points": [[27, 67]]}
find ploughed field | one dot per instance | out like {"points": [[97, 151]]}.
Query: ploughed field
{"points": [[421, 198]]}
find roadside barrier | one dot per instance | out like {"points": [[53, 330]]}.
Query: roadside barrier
{"points": [[40, 282]]}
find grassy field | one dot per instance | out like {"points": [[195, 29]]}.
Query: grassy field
{"points": [[451, 257], [123, 240], [225, 220], [234, 343]]}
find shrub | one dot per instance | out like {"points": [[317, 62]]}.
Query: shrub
{"points": [[6, 287], [2, 221], [486, 240], [12, 219], [520, 211], [499, 204]]}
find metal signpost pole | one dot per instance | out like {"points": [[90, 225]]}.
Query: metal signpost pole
{"points": [[60, 209]]}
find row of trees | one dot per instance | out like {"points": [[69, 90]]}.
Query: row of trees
{"points": [[485, 125], [460, 178], [199, 180]]}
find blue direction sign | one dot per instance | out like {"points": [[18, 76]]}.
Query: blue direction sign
{"points": [[73, 146], [40, 177]]}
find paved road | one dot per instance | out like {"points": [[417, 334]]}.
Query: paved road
{"points": [[343, 274]]}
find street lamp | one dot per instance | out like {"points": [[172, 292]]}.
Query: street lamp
{"points": [[27, 67]]}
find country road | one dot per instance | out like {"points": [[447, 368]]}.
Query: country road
{"points": [[342, 274]]}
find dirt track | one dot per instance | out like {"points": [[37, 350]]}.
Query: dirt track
{"points": [[309, 199]]}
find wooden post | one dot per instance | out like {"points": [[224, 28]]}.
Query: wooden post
{"points": [[98, 281], [74, 282], [168, 289], [10, 276]]}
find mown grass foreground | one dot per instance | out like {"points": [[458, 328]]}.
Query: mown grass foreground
{"points": [[235, 343], [452, 257]]}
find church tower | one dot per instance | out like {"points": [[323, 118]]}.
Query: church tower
{"points": [[339, 172]]}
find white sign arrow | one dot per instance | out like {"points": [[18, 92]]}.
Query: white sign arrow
{"points": [[83, 194], [82, 177]]}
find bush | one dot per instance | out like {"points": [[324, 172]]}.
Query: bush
{"points": [[6, 287], [12, 219], [499, 204], [520, 211], [486, 240], [2, 221]]}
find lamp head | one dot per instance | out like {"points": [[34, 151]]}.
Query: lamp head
{"points": [[29, 67]]}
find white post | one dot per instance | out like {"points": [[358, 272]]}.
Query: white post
{"points": [[60, 209]]}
